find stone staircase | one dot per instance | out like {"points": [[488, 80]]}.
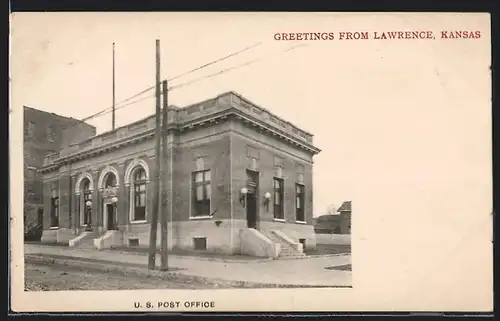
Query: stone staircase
{"points": [[87, 242], [287, 251]]}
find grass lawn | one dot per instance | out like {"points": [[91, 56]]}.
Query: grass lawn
{"points": [[347, 267]]}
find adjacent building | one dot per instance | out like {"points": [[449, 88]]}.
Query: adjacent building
{"points": [[239, 182], [43, 134]]}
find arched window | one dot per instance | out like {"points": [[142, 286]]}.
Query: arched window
{"points": [[87, 197], [110, 180], [139, 195]]}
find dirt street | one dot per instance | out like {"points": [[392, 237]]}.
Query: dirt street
{"points": [[56, 278]]}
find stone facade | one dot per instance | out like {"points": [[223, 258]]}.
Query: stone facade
{"points": [[44, 133], [212, 148]]}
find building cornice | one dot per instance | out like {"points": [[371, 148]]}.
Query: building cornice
{"points": [[208, 120]]}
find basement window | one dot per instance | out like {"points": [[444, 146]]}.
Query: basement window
{"points": [[133, 242], [200, 243]]}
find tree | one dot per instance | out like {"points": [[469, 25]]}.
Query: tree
{"points": [[331, 209]]}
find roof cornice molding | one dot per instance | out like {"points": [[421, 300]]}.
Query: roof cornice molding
{"points": [[207, 120]]}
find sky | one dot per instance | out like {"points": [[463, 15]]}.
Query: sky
{"points": [[356, 97]]}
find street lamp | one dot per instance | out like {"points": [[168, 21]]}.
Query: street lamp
{"points": [[243, 194], [114, 200], [267, 198], [89, 208]]}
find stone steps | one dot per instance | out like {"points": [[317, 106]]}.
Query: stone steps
{"points": [[87, 242], [286, 250]]}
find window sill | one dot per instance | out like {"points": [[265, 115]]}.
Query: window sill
{"points": [[138, 222], [300, 222], [204, 217], [281, 220], [54, 228]]}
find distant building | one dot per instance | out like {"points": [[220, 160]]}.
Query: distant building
{"points": [[345, 214], [236, 174], [339, 223], [43, 134]]}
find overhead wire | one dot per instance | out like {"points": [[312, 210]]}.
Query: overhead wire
{"points": [[105, 111], [109, 110], [232, 68]]}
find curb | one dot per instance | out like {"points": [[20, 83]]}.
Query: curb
{"points": [[311, 256], [166, 275], [198, 258]]}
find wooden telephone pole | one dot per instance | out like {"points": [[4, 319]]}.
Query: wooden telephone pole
{"points": [[165, 179], [156, 194]]}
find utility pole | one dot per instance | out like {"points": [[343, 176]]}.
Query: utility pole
{"points": [[164, 171], [156, 194], [113, 121], [70, 199]]}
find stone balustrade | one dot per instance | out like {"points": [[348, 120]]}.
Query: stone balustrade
{"points": [[179, 116]]}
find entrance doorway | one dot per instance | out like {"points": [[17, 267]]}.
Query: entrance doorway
{"points": [[40, 217], [110, 213], [251, 199], [251, 210]]}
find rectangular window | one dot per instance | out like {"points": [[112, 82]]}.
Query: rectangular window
{"points": [[202, 192], [299, 203], [50, 134], [139, 201], [30, 174], [278, 198], [200, 243], [31, 128], [54, 209]]}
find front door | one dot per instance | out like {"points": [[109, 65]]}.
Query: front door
{"points": [[40, 217], [110, 211], [251, 210], [251, 198]]}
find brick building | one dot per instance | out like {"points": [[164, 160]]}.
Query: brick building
{"points": [[43, 134], [239, 182]]}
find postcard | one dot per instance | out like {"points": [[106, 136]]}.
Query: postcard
{"points": [[266, 162]]}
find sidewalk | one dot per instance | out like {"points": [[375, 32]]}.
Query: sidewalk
{"points": [[311, 271]]}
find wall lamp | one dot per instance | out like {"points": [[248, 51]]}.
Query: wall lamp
{"points": [[267, 199], [89, 215], [243, 196]]}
